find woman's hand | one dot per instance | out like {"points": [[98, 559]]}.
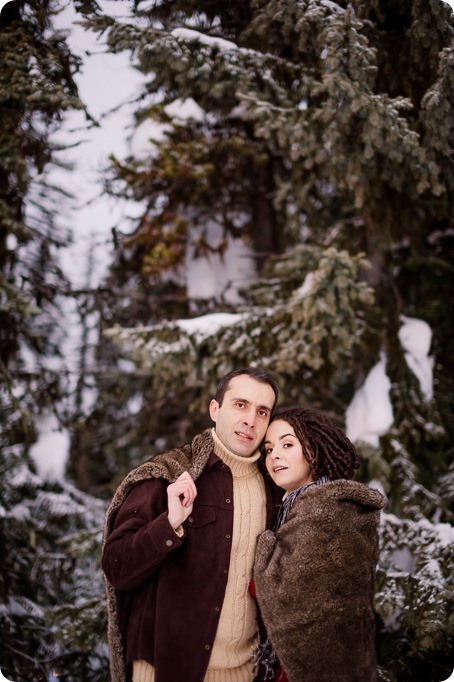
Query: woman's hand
{"points": [[180, 498]]}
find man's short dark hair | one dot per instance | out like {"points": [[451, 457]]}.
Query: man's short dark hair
{"points": [[252, 372]]}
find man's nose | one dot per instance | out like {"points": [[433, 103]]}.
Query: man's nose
{"points": [[250, 418]]}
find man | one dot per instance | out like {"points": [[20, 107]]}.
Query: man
{"points": [[179, 547]]}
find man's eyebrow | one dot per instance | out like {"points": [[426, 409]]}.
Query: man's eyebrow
{"points": [[244, 400]]}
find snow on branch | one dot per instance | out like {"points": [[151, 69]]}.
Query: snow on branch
{"points": [[190, 34]]}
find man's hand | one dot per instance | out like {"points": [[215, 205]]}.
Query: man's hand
{"points": [[180, 498]]}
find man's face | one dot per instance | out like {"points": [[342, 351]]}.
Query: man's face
{"points": [[243, 417]]}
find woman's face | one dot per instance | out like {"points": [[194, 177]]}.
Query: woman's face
{"points": [[285, 461]]}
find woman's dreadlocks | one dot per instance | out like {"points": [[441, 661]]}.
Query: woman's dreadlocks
{"points": [[325, 446]]}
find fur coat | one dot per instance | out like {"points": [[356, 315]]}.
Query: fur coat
{"points": [[314, 579], [168, 466]]}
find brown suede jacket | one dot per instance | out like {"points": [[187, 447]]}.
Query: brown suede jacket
{"points": [[314, 579], [164, 592]]}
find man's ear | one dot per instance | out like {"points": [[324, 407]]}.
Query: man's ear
{"points": [[214, 409]]}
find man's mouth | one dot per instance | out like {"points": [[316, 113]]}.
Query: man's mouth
{"points": [[241, 434]]}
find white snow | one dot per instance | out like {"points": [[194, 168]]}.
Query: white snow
{"points": [[143, 141], [333, 6], [18, 605], [444, 531], [415, 337], [216, 276], [134, 404], [306, 286], [370, 414], [51, 450], [404, 560], [11, 242], [190, 34], [377, 485], [207, 325], [184, 109]]}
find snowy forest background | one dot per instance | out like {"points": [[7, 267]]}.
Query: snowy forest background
{"points": [[285, 199]]}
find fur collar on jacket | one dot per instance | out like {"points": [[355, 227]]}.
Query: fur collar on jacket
{"points": [[169, 465], [314, 580]]}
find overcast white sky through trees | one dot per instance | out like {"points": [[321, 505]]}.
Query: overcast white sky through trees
{"points": [[105, 82]]}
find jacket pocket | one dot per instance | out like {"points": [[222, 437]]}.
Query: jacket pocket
{"points": [[196, 554], [200, 516]]}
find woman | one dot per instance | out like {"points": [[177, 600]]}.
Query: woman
{"points": [[314, 574]]}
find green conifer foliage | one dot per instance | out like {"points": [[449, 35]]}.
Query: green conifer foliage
{"points": [[339, 116], [52, 614], [306, 319], [41, 577], [37, 87]]}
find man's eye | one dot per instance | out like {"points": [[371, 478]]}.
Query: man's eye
{"points": [[263, 413]]}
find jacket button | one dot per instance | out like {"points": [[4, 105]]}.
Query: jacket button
{"points": [[228, 501], [169, 543], [207, 646], [227, 536], [216, 608], [190, 519]]}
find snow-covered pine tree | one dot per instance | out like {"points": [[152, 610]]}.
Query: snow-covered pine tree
{"points": [[207, 187], [52, 614], [347, 108], [42, 580], [305, 321], [309, 320]]}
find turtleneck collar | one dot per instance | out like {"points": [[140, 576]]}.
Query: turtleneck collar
{"points": [[239, 466]]}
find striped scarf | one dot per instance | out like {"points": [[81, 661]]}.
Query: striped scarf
{"points": [[265, 655]]}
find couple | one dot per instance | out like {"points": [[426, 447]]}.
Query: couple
{"points": [[187, 530]]}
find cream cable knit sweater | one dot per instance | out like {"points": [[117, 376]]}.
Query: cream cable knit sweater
{"points": [[231, 658]]}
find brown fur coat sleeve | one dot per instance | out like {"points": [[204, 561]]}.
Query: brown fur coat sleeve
{"points": [[314, 580]]}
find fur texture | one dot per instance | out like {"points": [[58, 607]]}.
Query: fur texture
{"points": [[314, 579], [169, 466]]}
